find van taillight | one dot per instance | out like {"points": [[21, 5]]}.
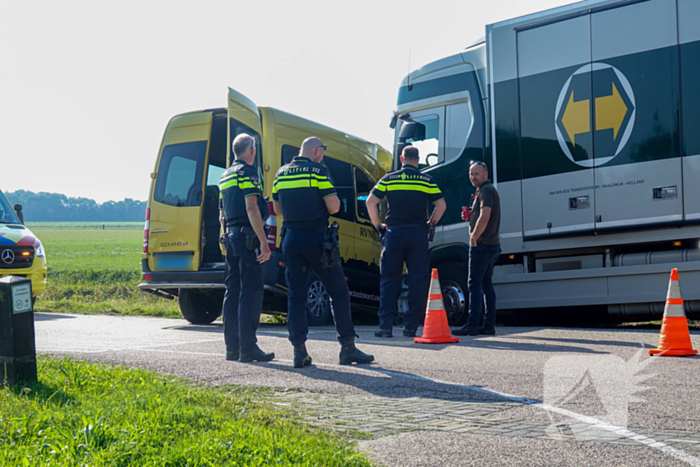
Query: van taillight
{"points": [[146, 229], [272, 233]]}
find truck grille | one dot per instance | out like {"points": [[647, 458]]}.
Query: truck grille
{"points": [[16, 257]]}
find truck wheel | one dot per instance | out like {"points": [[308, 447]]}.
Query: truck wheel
{"points": [[318, 304], [453, 282], [198, 307]]}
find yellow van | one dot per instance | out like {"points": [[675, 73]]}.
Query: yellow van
{"points": [[21, 252], [181, 253]]}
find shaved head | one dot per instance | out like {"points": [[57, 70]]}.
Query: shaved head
{"points": [[313, 148]]}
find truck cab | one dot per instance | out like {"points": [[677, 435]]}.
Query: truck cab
{"points": [[585, 116]]}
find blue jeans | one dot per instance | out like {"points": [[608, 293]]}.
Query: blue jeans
{"points": [[409, 244], [244, 294], [302, 252], [481, 261]]}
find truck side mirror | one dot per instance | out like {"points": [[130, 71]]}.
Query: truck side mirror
{"points": [[18, 210], [407, 130]]}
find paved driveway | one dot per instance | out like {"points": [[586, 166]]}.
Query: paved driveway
{"points": [[527, 396]]}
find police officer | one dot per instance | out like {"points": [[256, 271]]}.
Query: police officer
{"points": [[242, 212], [305, 195], [409, 194]]}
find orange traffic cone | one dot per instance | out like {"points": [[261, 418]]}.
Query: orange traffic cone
{"points": [[436, 330], [675, 337]]}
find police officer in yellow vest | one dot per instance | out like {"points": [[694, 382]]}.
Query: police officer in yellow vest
{"points": [[409, 194], [242, 213], [305, 195]]}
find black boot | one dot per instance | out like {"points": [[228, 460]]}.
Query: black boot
{"points": [[256, 355], [466, 331], [349, 353], [301, 356]]}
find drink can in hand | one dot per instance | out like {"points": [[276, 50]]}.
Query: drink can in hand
{"points": [[465, 213]]}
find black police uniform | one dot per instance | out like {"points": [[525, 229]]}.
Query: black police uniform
{"points": [[301, 187], [409, 193], [244, 275]]}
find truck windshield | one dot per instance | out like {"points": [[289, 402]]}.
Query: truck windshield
{"points": [[7, 214]]}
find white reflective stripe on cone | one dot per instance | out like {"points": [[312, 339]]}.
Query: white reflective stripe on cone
{"points": [[674, 289], [436, 305], [435, 287], [674, 311]]}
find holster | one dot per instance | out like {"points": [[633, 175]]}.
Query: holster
{"points": [[251, 240], [382, 231], [330, 257], [431, 233]]}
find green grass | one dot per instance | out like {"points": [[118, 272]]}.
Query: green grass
{"points": [[86, 225], [97, 271], [97, 415]]}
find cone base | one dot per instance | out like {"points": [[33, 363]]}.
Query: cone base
{"points": [[436, 340], [673, 352]]}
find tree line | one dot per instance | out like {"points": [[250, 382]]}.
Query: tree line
{"points": [[55, 207]]}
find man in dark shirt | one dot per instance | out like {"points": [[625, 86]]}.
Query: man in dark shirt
{"points": [[242, 215], [305, 196], [409, 194], [484, 249]]}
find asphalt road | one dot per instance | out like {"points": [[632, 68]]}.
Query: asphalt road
{"points": [[527, 396]]}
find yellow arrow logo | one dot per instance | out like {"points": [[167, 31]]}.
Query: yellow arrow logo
{"points": [[577, 118], [610, 112]]}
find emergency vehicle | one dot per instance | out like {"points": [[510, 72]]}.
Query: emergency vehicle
{"points": [[21, 252], [587, 117], [182, 256]]}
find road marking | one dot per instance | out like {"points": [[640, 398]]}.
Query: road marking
{"points": [[618, 430]]}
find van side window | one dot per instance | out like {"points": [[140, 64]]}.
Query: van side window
{"points": [[214, 174], [288, 153], [341, 176], [364, 185], [180, 173]]}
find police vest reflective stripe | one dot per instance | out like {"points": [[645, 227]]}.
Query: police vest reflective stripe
{"points": [[237, 183], [300, 188], [408, 193], [408, 185]]}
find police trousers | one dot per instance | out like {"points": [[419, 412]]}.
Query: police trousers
{"points": [[244, 294], [407, 244], [302, 251]]}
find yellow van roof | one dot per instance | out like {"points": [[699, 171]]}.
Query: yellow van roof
{"points": [[363, 153]]}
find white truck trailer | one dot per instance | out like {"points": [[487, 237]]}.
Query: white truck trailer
{"points": [[588, 117]]}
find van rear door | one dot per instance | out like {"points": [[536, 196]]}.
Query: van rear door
{"points": [[243, 117], [176, 201]]}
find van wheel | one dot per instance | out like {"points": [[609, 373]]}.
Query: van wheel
{"points": [[453, 282], [198, 307], [318, 304]]}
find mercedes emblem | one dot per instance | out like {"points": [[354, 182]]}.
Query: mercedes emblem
{"points": [[8, 256]]}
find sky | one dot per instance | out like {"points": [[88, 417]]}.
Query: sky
{"points": [[87, 88]]}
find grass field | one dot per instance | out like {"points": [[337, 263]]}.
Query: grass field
{"points": [[98, 415], [92, 270], [87, 225]]}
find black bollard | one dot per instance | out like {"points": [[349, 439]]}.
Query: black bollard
{"points": [[17, 345]]}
